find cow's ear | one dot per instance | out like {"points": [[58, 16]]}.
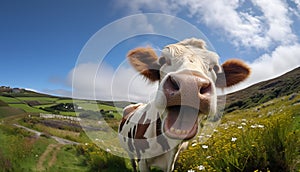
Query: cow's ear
{"points": [[145, 61], [234, 71]]}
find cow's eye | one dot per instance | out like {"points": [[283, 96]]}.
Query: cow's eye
{"points": [[216, 68], [164, 60]]}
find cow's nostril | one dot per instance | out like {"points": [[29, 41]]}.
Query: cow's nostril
{"points": [[205, 89], [173, 83]]}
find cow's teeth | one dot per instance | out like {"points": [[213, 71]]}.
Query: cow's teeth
{"points": [[178, 131]]}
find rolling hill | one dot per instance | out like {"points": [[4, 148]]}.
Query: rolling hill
{"points": [[262, 92]]}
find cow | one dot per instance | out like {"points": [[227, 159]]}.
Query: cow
{"points": [[188, 74]]}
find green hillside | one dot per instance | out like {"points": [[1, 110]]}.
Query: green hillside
{"points": [[262, 92]]}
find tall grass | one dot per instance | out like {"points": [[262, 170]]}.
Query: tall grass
{"points": [[269, 144], [99, 160]]}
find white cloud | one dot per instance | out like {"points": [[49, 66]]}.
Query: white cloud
{"points": [[278, 19], [245, 28], [104, 83], [242, 26], [297, 2], [268, 66]]}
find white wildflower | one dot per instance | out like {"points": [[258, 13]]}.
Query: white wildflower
{"points": [[208, 157], [204, 146], [233, 139], [240, 127], [194, 144], [191, 170], [253, 126], [208, 135], [260, 126], [201, 167], [243, 123]]}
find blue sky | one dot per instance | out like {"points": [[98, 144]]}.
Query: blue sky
{"points": [[42, 42]]}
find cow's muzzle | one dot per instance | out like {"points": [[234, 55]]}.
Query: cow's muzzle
{"points": [[187, 96], [188, 90]]}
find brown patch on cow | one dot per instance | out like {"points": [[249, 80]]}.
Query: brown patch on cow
{"points": [[130, 109], [145, 61], [140, 141], [125, 119], [235, 71], [161, 139], [127, 114]]}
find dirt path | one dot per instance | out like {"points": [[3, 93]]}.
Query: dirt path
{"points": [[52, 148], [58, 139], [54, 156]]}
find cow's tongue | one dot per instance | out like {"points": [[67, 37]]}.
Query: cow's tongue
{"points": [[181, 122]]}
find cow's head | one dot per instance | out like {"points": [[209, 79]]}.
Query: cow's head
{"points": [[188, 75]]}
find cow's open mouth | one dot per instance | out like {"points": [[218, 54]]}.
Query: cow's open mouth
{"points": [[181, 122]]}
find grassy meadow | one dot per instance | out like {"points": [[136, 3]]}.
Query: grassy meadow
{"points": [[264, 137]]}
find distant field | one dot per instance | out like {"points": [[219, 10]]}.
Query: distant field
{"points": [[9, 99], [27, 108], [10, 111], [41, 100]]}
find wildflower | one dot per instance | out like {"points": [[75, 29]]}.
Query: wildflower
{"points": [[208, 135], [260, 126], [108, 150], [201, 167], [244, 120], [243, 123], [191, 170], [204, 146], [233, 139], [194, 144], [215, 130], [240, 127], [208, 157], [253, 126], [86, 144]]}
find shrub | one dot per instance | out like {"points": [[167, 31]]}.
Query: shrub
{"points": [[99, 160]]}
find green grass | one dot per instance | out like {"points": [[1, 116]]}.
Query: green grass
{"points": [[10, 111], [68, 160], [41, 100], [266, 137], [20, 149], [27, 108], [9, 99]]}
